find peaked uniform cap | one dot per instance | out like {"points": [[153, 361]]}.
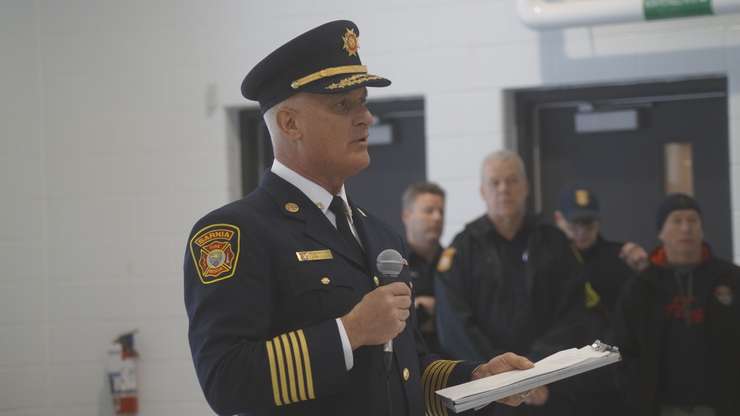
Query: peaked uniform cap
{"points": [[324, 60]]}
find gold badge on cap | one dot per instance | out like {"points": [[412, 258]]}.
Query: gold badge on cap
{"points": [[582, 198], [292, 207], [351, 43]]}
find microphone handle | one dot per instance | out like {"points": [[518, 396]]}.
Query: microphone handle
{"points": [[388, 355], [388, 346]]}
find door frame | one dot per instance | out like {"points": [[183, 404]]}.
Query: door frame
{"points": [[524, 105]]}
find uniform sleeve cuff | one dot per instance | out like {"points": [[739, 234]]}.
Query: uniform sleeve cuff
{"points": [[306, 363], [440, 374], [349, 360]]}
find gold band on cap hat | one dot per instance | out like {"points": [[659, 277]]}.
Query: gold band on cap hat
{"points": [[328, 72]]}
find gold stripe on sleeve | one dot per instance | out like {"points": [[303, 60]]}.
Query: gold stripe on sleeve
{"points": [[281, 369], [273, 374], [298, 366], [439, 408], [290, 367], [426, 385], [443, 383], [435, 377], [447, 374], [431, 383], [307, 363]]}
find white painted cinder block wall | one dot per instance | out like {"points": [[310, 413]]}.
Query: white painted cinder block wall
{"points": [[109, 152]]}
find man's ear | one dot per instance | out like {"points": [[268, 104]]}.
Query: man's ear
{"points": [[405, 214], [661, 235], [287, 121]]}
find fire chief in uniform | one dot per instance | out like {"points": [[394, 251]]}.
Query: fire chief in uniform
{"points": [[287, 312]]}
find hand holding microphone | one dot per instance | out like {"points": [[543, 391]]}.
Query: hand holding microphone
{"points": [[382, 313]]}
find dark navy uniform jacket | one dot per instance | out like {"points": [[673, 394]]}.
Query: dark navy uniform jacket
{"points": [[265, 279]]}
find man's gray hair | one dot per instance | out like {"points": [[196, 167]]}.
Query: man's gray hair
{"points": [[504, 155], [270, 118]]}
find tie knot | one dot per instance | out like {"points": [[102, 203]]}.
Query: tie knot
{"points": [[337, 206]]}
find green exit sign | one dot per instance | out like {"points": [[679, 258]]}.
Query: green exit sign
{"points": [[666, 9]]}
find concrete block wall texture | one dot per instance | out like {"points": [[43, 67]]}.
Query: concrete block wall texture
{"points": [[109, 152]]}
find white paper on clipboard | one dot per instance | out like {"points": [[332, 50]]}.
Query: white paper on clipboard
{"points": [[558, 366]]}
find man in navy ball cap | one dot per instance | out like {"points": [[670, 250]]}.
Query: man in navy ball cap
{"points": [[287, 312]]}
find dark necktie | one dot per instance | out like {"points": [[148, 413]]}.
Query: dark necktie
{"points": [[338, 208]]}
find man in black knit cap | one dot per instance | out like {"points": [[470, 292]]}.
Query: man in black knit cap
{"points": [[678, 323]]}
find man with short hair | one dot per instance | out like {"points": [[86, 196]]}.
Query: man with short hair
{"points": [[287, 314], [423, 211], [507, 281], [678, 323]]}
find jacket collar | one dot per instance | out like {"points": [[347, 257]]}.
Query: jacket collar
{"points": [[320, 196], [484, 226], [659, 258], [296, 205]]}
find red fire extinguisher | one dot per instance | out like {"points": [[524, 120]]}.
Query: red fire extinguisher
{"points": [[122, 374]]}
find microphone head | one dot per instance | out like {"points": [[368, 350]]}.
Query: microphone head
{"points": [[390, 262]]}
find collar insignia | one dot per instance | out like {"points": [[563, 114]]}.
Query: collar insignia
{"points": [[292, 207]]}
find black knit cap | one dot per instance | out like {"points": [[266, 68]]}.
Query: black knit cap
{"points": [[323, 60], [674, 202]]}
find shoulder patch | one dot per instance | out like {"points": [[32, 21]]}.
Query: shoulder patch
{"points": [[215, 252], [445, 260]]}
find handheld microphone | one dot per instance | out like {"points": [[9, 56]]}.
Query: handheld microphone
{"points": [[389, 263]]}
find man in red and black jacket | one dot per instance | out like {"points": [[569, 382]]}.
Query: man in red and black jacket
{"points": [[678, 323]]}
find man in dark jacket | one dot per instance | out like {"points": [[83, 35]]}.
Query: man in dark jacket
{"points": [[605, 272], [506, 281], [423, 215], [678, 323], [604, 263], [287, 314]]}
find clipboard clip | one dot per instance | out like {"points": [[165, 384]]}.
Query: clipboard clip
{"points": [[603, 346]]}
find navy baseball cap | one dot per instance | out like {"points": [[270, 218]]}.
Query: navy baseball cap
{"points": [[324, 60], [579, 204]]}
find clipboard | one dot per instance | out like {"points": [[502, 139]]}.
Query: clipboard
{"points": [[563, 364]]}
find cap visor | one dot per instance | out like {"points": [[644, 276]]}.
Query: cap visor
{"points": [[345, 82]]}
